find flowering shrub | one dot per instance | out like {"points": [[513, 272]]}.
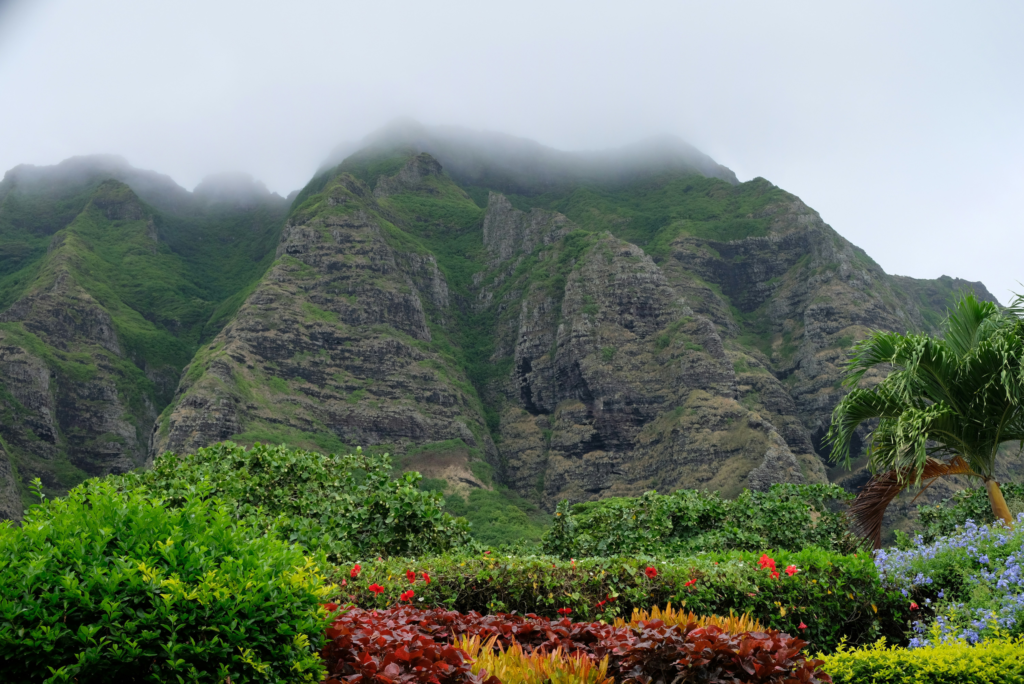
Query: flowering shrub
{"points": [[652, 652], [943, 519], [348, 506], [832, 595], [969, 585], [689, 521], [992, 662], [107, 586]]}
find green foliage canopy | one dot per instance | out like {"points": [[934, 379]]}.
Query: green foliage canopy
{"points": [[688, 521], [107, 585], [346, 506]]}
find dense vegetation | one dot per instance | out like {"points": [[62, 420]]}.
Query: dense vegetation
{"points": [[215, 565], [106, 586], [346, 506], [788, 517]]}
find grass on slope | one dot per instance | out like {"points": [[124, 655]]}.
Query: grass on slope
{"points": [[652, 212]]}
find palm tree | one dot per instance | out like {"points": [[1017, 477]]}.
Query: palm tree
{"points": [[944, 409]]}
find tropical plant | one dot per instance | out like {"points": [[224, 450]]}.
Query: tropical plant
{"points": [[348, 506], [786, 517], [945, 408], [112, 586]]}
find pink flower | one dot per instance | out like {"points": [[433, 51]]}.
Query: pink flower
{"points": [[802, 625], [913, 606]]}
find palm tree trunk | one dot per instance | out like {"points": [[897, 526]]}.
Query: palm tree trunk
{"points": [[995, 497]]}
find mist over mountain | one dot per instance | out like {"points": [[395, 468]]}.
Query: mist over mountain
{"points": [[494, 313], [516, 165]]}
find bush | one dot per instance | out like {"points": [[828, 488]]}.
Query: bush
{"points": [[107, 586], [948, 517], [994, 662], [789, 517], [969, 585], [832, 595], [650, 652], [347, 506]]}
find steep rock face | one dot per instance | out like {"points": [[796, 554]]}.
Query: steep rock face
{"points": [[69, 396], [616, 386], [334, 346], [99, 313]]}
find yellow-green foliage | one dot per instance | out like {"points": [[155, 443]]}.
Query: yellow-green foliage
{"points": [[513, 666], [990, 662], [670, 616]]}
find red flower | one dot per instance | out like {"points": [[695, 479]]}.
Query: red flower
{"points": [[376, 588], [651, 572], [344, 583], [564, 611], [802, 625], [407, 595], [775, 574], [486, 552], [913, 606], [693, 581], [356, 569], [410, 575], [426, 578], [791, 570], [600, 604], [766, 562]]}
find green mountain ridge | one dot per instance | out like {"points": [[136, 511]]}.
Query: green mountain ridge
{"points": [[500, 317], [106, 300]]}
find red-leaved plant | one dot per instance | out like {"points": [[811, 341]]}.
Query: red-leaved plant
{"points": [[363, 648]]}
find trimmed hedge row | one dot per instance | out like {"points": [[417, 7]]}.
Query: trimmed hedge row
{"points": [[832, 595], [991, 662]]}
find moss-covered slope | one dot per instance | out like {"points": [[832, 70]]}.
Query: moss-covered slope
{"points": [[104, 303]]}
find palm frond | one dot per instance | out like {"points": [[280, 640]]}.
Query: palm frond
{"points": [[968, 322], [868, 509]]}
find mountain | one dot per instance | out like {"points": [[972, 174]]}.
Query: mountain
{"points": [[491, 311], [110, 279]]}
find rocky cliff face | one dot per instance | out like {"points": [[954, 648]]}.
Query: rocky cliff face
{"points": [[566, 337], [334, 347], [99, 317]]}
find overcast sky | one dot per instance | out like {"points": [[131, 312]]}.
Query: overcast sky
{"points": [[900, 122]]}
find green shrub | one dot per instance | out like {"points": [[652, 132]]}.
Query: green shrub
{"points": [[943, 519], [347, 506], [689, 521], [993, 662], [833, 595], [109, 586]]}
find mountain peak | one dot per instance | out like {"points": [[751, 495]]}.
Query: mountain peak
{"points": [[521, 166]]}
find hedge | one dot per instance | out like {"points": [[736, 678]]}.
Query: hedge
{"points": [[833, 595], [992, 662]]}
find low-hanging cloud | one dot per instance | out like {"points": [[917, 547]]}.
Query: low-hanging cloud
{"points": [[897, 122]]}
